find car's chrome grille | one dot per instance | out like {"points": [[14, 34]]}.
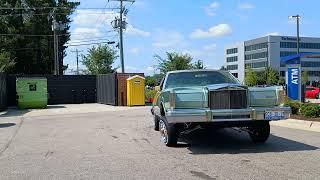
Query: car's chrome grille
{"points": [[228, 99]]}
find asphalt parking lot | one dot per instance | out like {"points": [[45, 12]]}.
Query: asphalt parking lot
{"points": [[119, 143]]}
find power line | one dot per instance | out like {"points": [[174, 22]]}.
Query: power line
{"points": [[98, 19], [108, 42], [36, 35], [90, 40], [46, 14], [39, 8], [77, 57]]}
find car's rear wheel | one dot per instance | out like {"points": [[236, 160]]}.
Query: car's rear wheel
{"points": [[260, 132], [169, 133], [318, 96]]}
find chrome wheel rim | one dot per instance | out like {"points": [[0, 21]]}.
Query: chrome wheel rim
{"points": [[163, 132]]}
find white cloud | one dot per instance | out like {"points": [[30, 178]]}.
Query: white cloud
{"points": [[272, 34], [215, 31], [202, 53], [83, 33], [207, 53], [91, 18], [136, 32], [102, 19], [210, 47], [212, 8], [246, 5], [167, 39], [135, 51]]}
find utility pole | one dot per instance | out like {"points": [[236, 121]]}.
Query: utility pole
{"points": [[77, 55], [121, 24], [121, 37]]}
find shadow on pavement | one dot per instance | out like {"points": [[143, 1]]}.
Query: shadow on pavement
{"points": [[231, 142], [55, 107], [13, 112], [5, 125]]}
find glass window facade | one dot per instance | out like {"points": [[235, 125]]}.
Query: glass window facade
{"points": [[302, 45], [232, 59], [287, 53], [232, 67], [256, 56], [310, 64], [235, 75], [256, 46], [256, 65], [314, 73], [232, 51]]}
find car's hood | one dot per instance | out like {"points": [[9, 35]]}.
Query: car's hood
{"points": [[225, 85]]}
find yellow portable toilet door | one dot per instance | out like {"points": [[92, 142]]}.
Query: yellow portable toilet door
{"points": [[135, 91]]}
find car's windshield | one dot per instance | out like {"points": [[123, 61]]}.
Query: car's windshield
{"points": [[198, 78]]}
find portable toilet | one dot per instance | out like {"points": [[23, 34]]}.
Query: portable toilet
{"points": [[135, 91], [32, 92]]}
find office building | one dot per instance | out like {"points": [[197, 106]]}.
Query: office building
{"points": [[262, 52]]}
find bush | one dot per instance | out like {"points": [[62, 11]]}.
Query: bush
{"points": [[294, 105], [150, 93], [310, 110]]}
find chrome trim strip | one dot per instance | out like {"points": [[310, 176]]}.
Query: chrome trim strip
{"points": [[205, 115]]}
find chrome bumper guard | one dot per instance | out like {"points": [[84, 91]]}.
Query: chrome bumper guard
{"points": [[222, 115]]}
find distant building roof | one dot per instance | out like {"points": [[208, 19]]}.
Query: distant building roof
{"points": [[295, 59]]}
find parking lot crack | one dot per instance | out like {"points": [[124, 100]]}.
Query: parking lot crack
{"points": [[12, 137]]}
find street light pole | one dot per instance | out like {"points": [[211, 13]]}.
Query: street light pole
{"points": [[301, 86], [298, 31]]}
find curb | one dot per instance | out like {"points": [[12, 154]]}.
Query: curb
{"points": [[298, 124]]}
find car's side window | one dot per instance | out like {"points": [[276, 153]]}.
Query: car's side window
{"points": [[161, 83]]}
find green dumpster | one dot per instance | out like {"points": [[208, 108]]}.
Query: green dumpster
{"points": [[32, 92]]}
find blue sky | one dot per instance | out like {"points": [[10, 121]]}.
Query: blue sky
{"points": [[201, 28]]}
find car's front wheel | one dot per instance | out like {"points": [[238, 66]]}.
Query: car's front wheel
{"points": [[318, 96], [169, 133], [260, 132], [156, 122]]}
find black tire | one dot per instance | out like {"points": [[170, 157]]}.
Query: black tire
{"points": [[318, 96], [156, 122], [169, 132], [259, 133]]}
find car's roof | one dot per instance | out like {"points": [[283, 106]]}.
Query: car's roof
{"points": [[196, 70]]}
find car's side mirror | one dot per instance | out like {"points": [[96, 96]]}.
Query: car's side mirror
{"points": [[157, 88]]}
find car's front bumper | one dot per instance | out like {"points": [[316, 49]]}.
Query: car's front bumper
{"points": [[207, 115]]}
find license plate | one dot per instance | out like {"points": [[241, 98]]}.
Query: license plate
{"points": [[274, 115]]}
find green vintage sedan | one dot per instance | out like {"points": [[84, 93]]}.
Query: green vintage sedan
{"points": [[189, 100]]}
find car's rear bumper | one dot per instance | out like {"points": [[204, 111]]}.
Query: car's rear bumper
{"points": [[226, 115]]}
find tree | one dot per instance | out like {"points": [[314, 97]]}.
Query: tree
{"points": [[251, 78], [6, 63], [174, 61], [100, 60], [34, 54], [272, 76], [198, 65], [151, 81], [304, 77], [154, 80], [223, 68]]}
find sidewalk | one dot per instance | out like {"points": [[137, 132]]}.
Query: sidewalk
{"points": [[65, 109], [298, 124]]}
